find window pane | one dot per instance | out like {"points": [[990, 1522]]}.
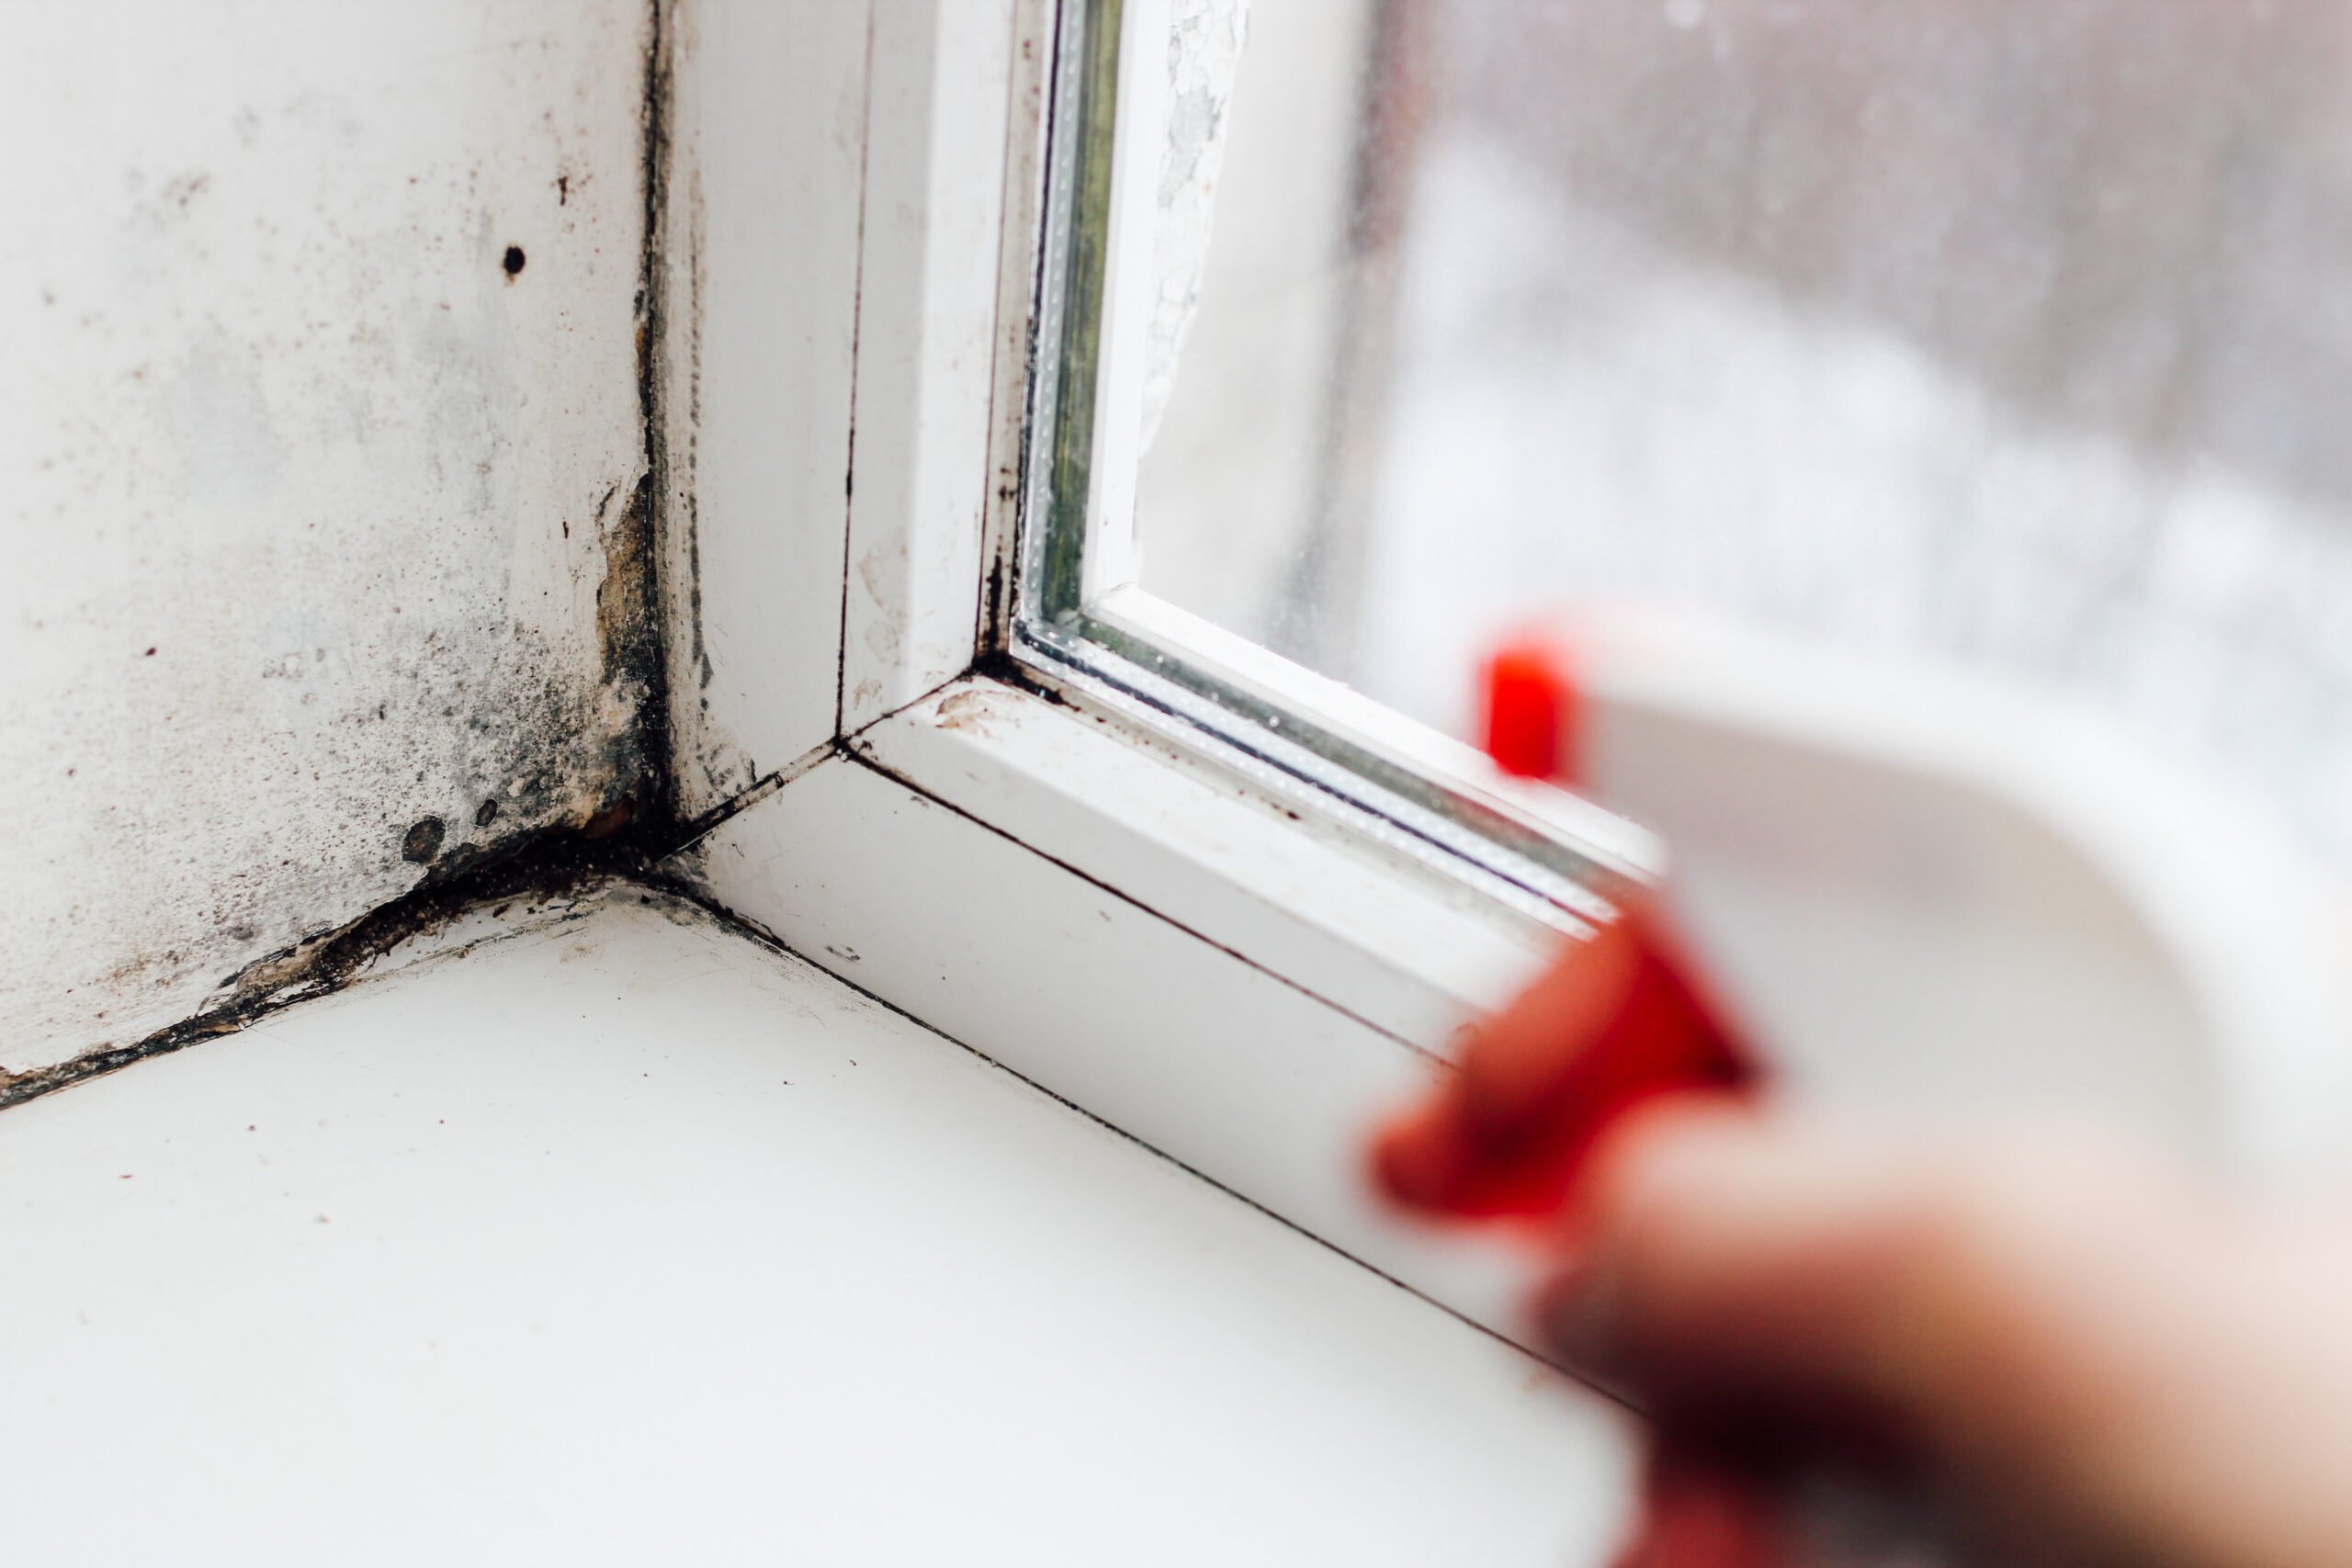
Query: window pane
{"points": [[2016, 334]]}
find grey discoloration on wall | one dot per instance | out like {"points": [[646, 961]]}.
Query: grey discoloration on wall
{"points": [[326, 521]]}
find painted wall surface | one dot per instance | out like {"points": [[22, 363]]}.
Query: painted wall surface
{"points": [[320, 425]]}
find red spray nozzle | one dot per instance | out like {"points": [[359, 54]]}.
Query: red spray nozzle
{"points": [[1532, 709]]}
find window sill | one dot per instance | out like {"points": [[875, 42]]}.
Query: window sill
{"points": [[626, 1239], [1147, 936]]}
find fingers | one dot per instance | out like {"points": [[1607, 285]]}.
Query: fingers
{"points": [[2036, 1336], [1697, 1514], [2060, 1346], [1751, 1285]]}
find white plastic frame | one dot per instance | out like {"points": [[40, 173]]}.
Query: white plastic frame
{"points": [[1206, 949]]}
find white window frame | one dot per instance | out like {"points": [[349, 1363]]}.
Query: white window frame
{"points": [[1116, 898]]}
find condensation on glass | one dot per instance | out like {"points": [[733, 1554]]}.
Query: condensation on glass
{"points": [[2014, 334]]}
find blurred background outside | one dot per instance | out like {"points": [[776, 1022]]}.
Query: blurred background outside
{"points": [[2016, 335]]}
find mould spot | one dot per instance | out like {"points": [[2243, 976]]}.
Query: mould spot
{"points": [[423, 841], [513, 260], [610, 820], [965, 710], [486, 813]]}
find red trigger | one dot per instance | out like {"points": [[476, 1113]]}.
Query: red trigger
{"points": [[1619, 1020]]}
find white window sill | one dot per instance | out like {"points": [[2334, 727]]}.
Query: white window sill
{"points": [[626, 1239], [1149, 937]]}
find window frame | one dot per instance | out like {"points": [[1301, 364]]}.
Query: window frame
{"points": [[1216, 939], [1076, 613]]}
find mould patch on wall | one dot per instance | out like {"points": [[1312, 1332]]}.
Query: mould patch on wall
{"points": [[331, 491]]}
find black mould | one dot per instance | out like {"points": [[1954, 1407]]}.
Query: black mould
{"points": [[559, 864], [611, 819], [514, 262], [423, 841]]}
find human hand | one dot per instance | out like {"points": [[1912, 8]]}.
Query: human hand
{"points": [[2051, 1347], [2032, 1345]]}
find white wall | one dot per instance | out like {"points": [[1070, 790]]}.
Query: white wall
{"points": [[308, 502]]}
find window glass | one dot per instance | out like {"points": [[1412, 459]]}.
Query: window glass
{"points": [[2013, 334]]}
